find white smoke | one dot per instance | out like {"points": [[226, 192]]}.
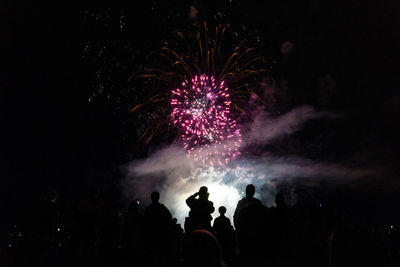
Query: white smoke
{"points": [[266, 128], [176, 176]]}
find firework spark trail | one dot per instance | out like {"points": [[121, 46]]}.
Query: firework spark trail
{"points": [[208, 53], [201, 112], [207, 113]]}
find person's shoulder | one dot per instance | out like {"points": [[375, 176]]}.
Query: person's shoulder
{"points": [[241, 201], [257, 200], [148, 208], [163, 206]]}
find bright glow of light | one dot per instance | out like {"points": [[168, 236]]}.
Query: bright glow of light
{"points": [[201, 110], [221, 193]]}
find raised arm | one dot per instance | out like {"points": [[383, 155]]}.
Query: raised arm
{"points": [[190, 200]]}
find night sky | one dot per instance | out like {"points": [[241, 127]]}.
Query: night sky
{"points": [[344, 61]]}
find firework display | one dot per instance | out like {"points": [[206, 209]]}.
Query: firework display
{"points": [[203, 81], [197, 87], [201, 112]]}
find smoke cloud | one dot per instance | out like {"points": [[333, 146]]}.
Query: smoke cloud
{"points": [[176, 176], [265, 128]]}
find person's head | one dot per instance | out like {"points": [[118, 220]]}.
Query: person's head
{"points": [[250, 190], [222, 210], [280, 200], [203, 192], [202, 249], [155, 197]]}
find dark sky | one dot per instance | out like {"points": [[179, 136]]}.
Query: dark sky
{"points": [[55, 139]]}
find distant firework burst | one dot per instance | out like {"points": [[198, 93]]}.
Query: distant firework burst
{"points": [[218, 49], [198, 91], [201, 112]]}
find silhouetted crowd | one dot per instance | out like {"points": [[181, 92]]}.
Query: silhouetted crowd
{"points": [[93, 234]]}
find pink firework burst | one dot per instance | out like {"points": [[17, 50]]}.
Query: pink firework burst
{"points": [[201, 112]]}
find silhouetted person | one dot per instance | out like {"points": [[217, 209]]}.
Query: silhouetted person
{"points": [[89, 214], [200, 211], [202, 249], [158, 225], [249, 199], [157, 215], [282, 214], [281, 233], [222, 223], [225, 234], [177, 226], [281, 207], [177, 242], [251, 225], [132, 234]]}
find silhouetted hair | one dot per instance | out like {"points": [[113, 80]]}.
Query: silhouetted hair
{"points": [[250, 190], [222, 210], [155, 196], [203, 191], [202, 250]]}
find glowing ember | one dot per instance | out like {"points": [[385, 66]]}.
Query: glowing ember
{"points": [[201, 112]]}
